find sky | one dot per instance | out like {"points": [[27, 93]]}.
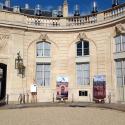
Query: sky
{"points": [[85, 5]]}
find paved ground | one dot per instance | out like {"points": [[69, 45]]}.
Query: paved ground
{"points": [[119, 107], [62, 116]]}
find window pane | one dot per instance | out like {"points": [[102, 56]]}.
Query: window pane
{"points": [[119, 64], [118, 47], [46, 49], [79, 52], [82, 48], [123, 64], [40, 45], [119, 72], [79, 45], [43, 74], [47, 52], [119, 81], [118, 40], [118, 43], [86, 44], [86, 51], [83, 74], [123, 43], [43, 49]]}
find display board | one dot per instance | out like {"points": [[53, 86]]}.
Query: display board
{"points": [[99, 87], [62, 88], [33, 88]]}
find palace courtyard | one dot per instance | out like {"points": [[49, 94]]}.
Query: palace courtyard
{"points": [[61, 116]]}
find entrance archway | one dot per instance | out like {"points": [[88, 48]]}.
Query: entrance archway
{"points": [[3, 76]]}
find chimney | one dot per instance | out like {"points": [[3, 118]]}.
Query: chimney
{"points": [[65, 8]]}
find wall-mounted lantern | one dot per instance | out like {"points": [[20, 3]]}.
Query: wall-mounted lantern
{"points": [[19, 65]]}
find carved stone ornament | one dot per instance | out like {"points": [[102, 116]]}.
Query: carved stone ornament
{"points": [[120, 29], [82, 36], [43, 37], [3, 40]]}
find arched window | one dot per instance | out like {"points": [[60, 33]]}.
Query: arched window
{"points": [[43, 49], [82, 48]]}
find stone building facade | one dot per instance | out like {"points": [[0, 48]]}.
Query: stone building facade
{"points": [[75, 48]]}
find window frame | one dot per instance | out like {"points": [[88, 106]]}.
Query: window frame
{"points": [[122, 70], [84, 78], [43, 49], [43, 74], [121, 43], [83, 48]]}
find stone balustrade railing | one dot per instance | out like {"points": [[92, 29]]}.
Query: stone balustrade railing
{"points": [[77, 21], [43, 21], [114, 12], [52, 22], [82, 20]]}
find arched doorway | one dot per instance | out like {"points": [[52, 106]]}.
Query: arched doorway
{"points": [[3, 75]]}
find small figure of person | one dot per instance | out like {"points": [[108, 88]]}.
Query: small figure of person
{"points": [[34, 92], [20, 99], [109, 98]]}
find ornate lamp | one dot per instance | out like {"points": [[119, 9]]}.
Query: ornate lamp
{"points": [[19, 65]]}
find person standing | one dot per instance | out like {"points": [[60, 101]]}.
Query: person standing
{"points": [[34, 92]]}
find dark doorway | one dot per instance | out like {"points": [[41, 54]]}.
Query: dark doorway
{"points": [[3, 75]]}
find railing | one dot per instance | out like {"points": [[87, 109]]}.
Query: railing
{"points": [[78, 21], [114, 12], [51, 22], [43, 21]]}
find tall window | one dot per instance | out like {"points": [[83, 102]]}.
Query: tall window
{"points": [[120, 72], [120, 43], [83, 73], [43, 74], [82, 48], [43, 49]]}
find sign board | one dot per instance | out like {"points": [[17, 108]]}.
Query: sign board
{"points": [[33, 88], [99, 87], [62, 88]]}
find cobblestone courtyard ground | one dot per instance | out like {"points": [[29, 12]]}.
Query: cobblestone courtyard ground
{"points": [[61, 116]]}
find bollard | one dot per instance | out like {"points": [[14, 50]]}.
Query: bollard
{"points": [[23, 98], [27, 98], [72, 98], [53, 97], [7, 102]]}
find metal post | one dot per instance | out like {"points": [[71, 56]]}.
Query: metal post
{"points": [[72, 98], [23, 98], [53, 98], [27, 98], [7, 99]]}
